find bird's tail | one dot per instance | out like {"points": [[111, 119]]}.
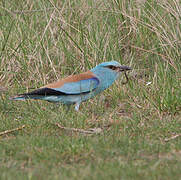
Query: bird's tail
{"points": [[36, 94], [42, 93], [20, 97], [25, 96]]}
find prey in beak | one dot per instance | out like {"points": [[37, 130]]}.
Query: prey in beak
{"points": [[121, 69], [124, 69]]}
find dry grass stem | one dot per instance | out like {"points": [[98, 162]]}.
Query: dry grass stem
{"points": [[173, 137], [90, 131], [11, 130]]}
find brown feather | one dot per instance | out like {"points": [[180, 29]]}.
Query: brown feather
{"points": [[69, 79]]}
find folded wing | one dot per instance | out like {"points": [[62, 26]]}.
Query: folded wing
{"points": [[72, 85], [79, 87]]}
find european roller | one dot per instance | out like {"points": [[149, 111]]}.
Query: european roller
{"points": [[75, 89]]}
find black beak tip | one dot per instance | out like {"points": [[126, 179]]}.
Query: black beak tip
{"points": [[125, 68]]}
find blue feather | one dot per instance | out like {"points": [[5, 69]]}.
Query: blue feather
{"points": [[82, 86]]}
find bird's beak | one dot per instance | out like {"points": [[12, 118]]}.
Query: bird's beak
{"points": [[124, 68]]}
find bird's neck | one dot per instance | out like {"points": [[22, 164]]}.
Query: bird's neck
{"points": [[106, 76]]}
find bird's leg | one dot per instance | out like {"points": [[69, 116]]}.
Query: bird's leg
{"points": [[77, 106]]}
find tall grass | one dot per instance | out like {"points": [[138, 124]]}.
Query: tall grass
{"points": [[43, 41]]}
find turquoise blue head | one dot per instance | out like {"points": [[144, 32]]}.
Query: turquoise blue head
{"points": [[112, 67], [109, 71]]}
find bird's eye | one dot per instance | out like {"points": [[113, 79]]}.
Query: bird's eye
{"points": [[112, 67]]}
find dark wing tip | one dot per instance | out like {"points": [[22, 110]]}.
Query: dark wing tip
{"points": [[37, 93], [44, 92]]}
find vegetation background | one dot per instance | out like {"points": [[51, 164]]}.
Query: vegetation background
{"points": [[45, 40]]}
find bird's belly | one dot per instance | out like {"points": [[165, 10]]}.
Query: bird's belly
{"points": [[69, 99]]}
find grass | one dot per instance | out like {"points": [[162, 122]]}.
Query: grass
{"points": [[42, 41]]}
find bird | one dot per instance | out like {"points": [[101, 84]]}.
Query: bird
{"points": [[77, 88]]}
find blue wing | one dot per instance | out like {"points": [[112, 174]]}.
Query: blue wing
{"points": [[82, 86], [67, 88]]}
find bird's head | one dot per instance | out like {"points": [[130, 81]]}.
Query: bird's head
{"points": [[113, 66], [108, 72]]}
